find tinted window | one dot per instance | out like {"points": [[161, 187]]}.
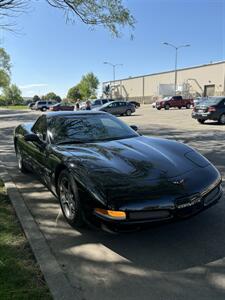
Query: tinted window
{"points": [[104, 101], [122, 104], [87, 128], [177, 98], [41, 102], [97, 102], [213, 101], [40, 128], [113, 104]]}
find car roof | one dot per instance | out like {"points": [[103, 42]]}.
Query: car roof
{"points": [[116, 101], [73, 113]]}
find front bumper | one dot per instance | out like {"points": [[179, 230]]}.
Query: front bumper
{"points": [[166, 210]]}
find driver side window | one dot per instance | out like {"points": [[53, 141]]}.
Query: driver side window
{"points": [[40, 128]]}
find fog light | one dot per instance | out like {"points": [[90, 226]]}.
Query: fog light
{"points": [[111, 214]]}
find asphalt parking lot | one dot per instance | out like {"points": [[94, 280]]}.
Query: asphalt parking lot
{"points": [[180, 260]]}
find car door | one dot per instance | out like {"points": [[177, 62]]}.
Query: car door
{"points": [[112, 108], [37, 151], [123, 107]]}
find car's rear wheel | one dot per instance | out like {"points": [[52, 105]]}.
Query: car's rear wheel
{"points": [[69, 199], [167, 106], [128, 112], [222, 119], [43, 108], [20, 161], [158, 108], [201, 121], [179, 107], [188, 106]]}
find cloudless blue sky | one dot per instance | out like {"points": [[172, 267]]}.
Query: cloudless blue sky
{"points": [[50, 55]]}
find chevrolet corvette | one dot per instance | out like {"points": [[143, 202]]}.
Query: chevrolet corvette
{"points": [[101, 169]]}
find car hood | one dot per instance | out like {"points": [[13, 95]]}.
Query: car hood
{"points": [[136, 157], [131, 168]]}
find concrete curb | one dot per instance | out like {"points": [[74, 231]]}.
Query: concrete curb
{"points": [[55, 278]]}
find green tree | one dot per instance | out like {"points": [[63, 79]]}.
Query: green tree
{"points": [[74, 93], [51, 96], [88, 85], [108, 13], [12, 95], [5, 67], [36, 98]]}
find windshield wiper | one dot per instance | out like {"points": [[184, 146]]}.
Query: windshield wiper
{"points": [[71, 142]]}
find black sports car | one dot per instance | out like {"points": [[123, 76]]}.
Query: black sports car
{"points": [[100, 168]]}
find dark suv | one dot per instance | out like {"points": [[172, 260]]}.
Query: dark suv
{"points": [[211, 109]]}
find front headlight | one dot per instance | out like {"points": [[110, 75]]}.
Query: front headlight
{"points": [[197, 159]]}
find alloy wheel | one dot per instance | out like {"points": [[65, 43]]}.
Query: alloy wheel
{"points": [[67, 200]]}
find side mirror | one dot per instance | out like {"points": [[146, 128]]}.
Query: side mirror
{"points": [[134, 127], [34, 138]]}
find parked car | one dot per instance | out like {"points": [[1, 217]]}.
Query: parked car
{"points": [[118, 108], [43, 105], [136, 104], [174, 101], [211, 109], [101, 169], [62, 106]]}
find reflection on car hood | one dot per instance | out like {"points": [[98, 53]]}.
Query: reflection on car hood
{"points": [[134, 157]]}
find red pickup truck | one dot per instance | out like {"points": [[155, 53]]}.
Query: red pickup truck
{"points": [[174, 101]]}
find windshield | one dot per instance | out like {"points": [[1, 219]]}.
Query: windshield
{"points": [[87, 128], [212, 101]]}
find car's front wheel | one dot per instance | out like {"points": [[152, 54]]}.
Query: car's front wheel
{"points": [[70, 200], [167, 106], [222, 119], [201, 121]]}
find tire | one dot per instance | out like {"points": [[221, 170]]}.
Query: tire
{"points": [[188, 106], [167, 107], [22, 167], [158, 108], [43, 108], [128, 112], [179, 107], [222, 119], [201, 121], [69, 200]]}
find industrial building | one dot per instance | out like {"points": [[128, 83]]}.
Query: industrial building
{"points": [[202, 80]]}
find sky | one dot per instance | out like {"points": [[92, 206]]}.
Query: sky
{"points": [[49, 54]]}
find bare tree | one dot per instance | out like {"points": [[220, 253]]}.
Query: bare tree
{"points": [[108, 13], [10, 9]]}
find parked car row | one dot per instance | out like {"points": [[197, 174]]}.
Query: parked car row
{"points": [[204, 108], [115, 107]]}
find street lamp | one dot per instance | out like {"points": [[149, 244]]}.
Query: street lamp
{"points": [[176, 50], [114, 69]]}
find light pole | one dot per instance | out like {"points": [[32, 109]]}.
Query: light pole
{"points": [[114, 69], [176, 50]]}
